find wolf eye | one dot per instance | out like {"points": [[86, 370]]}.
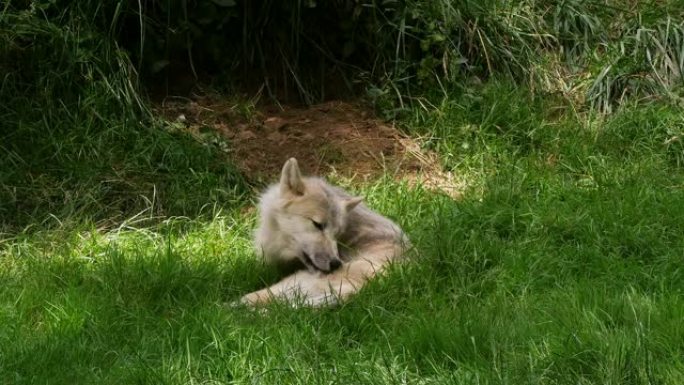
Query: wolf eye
{"points": [[319, 225]]}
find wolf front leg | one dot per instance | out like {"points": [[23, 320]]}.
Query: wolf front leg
{"points": [[292, 288], [352, 276], [318, 289], [304, 288]]}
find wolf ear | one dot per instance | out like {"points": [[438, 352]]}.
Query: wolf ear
{"points": [[350, 203], [291, 179]]}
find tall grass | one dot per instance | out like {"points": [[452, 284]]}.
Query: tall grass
{"points": [[647, 62], [605, 51], [77, 139]]}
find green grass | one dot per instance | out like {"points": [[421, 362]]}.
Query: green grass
{"points": [[563, 271], [78, 142], [122, 238]]}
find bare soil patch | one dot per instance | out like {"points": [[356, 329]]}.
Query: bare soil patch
{"points": [[339, 138]]}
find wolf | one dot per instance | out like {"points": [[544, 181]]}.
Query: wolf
{"points": [[335, 242]]}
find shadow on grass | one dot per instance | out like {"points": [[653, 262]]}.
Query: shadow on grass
{"points": [[89, 171], [120, 313], [78, 143]]}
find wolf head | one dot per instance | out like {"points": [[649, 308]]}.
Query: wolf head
{"points": [[309, 219]]}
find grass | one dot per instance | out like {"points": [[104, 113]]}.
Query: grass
{"points": [[561, 265], [121, 238], [75, 132]]}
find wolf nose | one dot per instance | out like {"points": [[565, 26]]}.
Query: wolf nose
{"points": [[335, 264]]}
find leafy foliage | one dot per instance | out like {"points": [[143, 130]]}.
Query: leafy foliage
{"points": [[396, 50]]}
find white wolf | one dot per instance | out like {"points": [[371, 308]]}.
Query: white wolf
{"points": [[338, 242]]}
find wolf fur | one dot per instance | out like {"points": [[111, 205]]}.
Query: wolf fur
{"points": [[339, 242]]}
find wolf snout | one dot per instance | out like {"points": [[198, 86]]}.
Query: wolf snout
{"points": [[326, 263], [335, 264]]}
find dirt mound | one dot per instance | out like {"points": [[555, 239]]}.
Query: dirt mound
{"points": [[330, 138]]}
